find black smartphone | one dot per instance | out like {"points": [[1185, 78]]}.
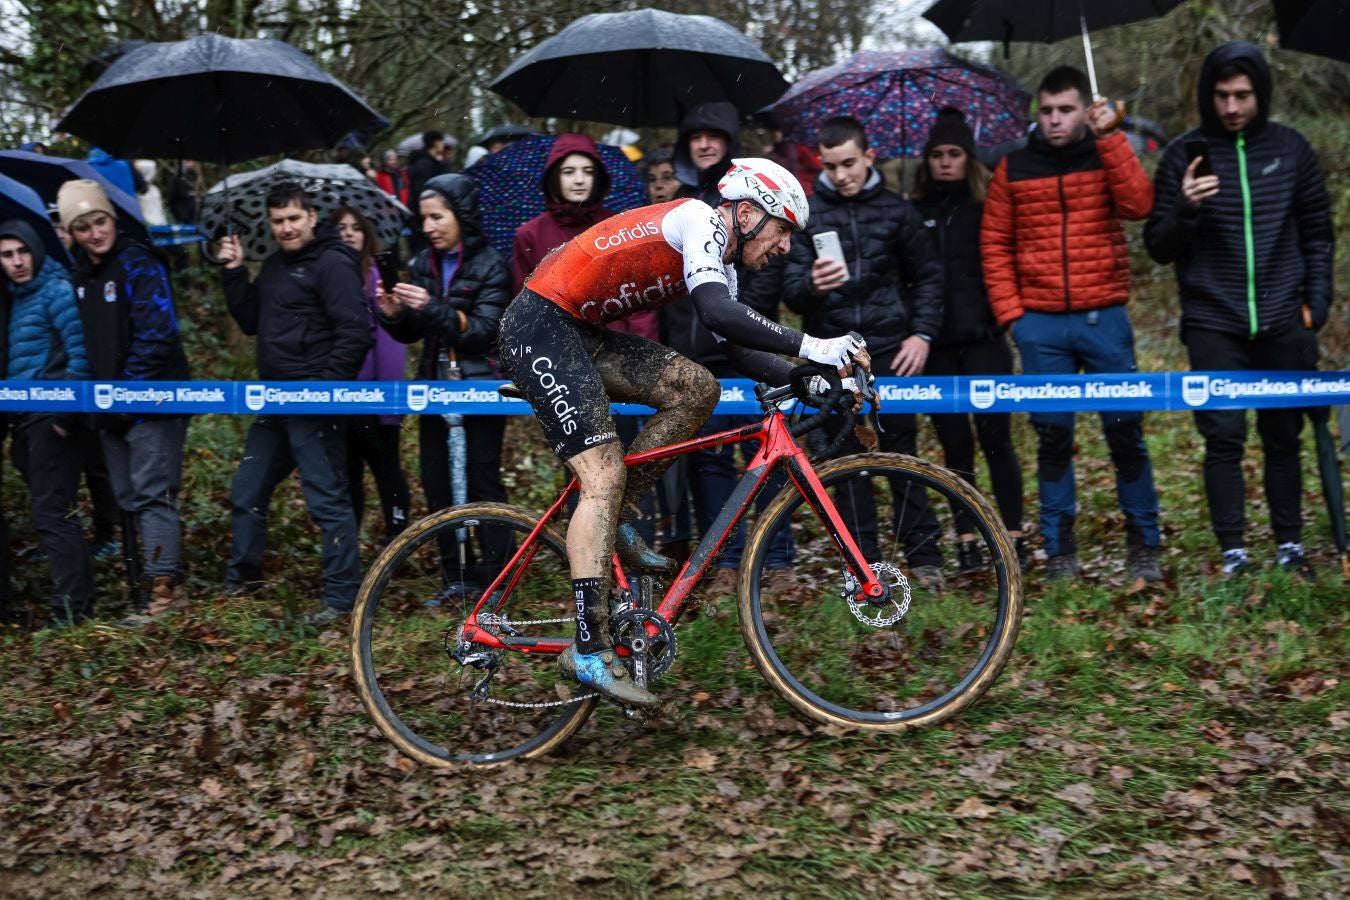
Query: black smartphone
{"points": [[1199, 148], [386, 263]]}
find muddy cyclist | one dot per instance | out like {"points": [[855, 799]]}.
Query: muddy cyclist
{"points": [[569, 366]]}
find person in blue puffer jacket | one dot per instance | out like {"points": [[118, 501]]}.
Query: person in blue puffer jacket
{"points": [[44, 341]]}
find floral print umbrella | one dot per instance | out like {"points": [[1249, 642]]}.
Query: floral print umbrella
{"points": [[511, 192], [897, 95]]}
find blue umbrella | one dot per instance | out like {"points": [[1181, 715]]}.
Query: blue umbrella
{"points": [[510, 190], [18, 201], [46, 174]]}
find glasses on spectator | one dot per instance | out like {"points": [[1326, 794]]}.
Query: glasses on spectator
{"points": [[86, 225]]}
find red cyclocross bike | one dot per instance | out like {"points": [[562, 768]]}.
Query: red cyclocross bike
{"points": [[471, 676]]}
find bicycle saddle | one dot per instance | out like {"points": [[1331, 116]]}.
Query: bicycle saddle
{"points": [[509, 391]]}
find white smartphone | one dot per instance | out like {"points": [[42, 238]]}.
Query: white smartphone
{"points": [[827, 244]]}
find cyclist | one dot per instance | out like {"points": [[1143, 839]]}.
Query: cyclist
{"points": [[554, 346]]}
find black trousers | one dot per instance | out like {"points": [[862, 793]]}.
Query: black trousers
{"points": [[992, 356], [483, 437], [275, 447], [1225, 433], [371, 443], [51, 465], [107, 515]]}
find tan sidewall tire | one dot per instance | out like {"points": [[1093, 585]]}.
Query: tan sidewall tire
{"points": [[757, 546], [363, 670]]}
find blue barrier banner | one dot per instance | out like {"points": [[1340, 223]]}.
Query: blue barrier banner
{"points": [[175, 235], [975, 393]]}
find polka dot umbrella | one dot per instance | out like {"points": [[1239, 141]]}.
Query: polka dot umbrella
{"points": [[511, 192], [242, 205], [897, 95]]}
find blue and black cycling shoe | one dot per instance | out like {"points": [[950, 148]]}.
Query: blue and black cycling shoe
{"points": [[636, 555], [606, 674]]}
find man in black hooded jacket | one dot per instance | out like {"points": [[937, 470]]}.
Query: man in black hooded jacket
{"points": [[308, 310], [708, 141], [1253, 247]]}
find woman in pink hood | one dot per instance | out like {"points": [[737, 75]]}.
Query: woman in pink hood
{"points": [[574, 183]]}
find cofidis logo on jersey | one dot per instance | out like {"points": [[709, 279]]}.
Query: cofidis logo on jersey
{"points": [[624, 235]]}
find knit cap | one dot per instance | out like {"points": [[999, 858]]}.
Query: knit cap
{"points": [[950, 128], [81, 197]]}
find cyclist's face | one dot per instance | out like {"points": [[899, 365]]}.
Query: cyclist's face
{"points": [[576, 177], [774, 239], [439, 223]]}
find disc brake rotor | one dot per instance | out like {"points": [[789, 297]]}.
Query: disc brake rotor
{"points": [[885, 611]]}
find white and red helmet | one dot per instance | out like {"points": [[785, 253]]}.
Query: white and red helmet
{"points": [[772, 187]]}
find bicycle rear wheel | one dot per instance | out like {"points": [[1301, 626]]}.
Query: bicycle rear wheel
{"points": [[406, 625], [913, 662]]}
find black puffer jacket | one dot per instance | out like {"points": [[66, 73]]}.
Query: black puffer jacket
{"points": [[953, 220], [308, 309], [895, 276], [1227, 284], [467, 318]]}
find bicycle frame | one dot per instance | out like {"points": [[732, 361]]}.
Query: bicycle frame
{"points": [[777, 448]]}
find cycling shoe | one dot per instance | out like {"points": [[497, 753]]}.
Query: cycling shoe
{"points": [[636, 555], [606, 674]]}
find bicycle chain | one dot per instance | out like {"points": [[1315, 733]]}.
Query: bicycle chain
{"points": [[489, 620]]}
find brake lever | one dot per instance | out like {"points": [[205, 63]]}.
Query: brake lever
{"points": [[868, 389]]}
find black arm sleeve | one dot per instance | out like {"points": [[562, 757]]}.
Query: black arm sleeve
{"points": [[766, 367], [740, 324]]}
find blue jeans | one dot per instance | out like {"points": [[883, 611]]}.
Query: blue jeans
{"points": [[1098, 340]]}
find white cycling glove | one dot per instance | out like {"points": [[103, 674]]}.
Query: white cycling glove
{"points": [[820, 387], [837, 352]]}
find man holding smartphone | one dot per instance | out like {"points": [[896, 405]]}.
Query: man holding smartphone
{"points": [[1242, 211], [308, 311], [865, 263]]}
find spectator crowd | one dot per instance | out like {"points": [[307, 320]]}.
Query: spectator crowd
{"points": [[977, 258]]}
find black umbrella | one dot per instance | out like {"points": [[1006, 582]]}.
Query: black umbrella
{"points": [[45, 174], [642, 68], [1333, 492], [218, 99], [329, 185], [1045, 21], [1315, 26], [507, 134]]}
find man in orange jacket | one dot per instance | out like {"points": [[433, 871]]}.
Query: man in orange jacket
{"points": [[1057, 270]]}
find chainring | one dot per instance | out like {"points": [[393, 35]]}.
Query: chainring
{"points": [[628, 624]]}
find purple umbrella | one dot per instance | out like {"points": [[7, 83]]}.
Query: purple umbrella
{"points": [[511, 193], [897, 95]]}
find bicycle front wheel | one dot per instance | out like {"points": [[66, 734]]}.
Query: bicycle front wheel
{"points": [[926, 653], [440, 702]]}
